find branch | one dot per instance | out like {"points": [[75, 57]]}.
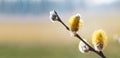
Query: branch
{"points": [[91, 49], [100, 53]]}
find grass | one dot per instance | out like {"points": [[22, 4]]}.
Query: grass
{"points": [[54, 51], [39, 52]]}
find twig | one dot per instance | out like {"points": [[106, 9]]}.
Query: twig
{"points": [[100, 53]]}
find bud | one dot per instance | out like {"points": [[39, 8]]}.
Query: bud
{"points": [[99, 39], [83, 47], [54, 16], [75, 23]]}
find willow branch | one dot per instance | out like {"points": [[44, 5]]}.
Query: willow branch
{"points": [[100, 53]]}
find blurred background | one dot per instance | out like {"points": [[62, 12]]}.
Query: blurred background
{"points": [[27, 32]]}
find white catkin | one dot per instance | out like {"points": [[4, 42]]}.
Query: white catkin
{"points": [[83, 48], [53, 16]]}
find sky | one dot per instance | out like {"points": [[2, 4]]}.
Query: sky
{"points": [[44, 6]]}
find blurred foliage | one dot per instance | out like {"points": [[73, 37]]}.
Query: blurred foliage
{"points": [[54, 51]]}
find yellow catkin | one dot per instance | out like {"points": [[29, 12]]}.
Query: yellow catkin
{"points": [[99, 39], [75, 23]]}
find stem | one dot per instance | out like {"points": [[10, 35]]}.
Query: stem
{"points": [[62, 21], [100, 53], [64, 25]]}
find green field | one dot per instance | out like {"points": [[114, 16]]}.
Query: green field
{"points": [[54, 51]]}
